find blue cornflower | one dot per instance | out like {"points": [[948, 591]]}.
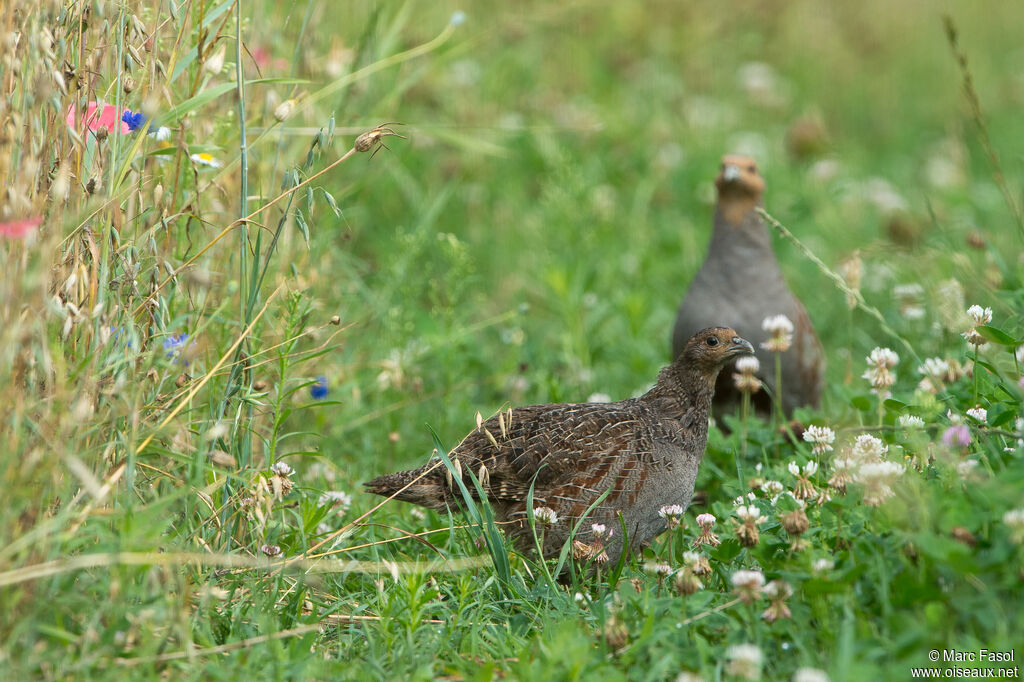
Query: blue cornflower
{"points": [[319, 389], [115, 336], [134, 121], [174, 344]]}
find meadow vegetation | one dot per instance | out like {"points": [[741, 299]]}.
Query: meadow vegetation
{"points": [[225, 303]]}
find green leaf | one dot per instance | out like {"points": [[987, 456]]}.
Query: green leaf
{"points": [[861, 403], [997, 336], [894, 405], [1000, 414]]}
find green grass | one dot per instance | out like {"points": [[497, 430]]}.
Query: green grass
{"points": [[528, 242]]}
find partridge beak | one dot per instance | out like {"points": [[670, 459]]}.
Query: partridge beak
{"points": [[731, 173], [739, 347]]}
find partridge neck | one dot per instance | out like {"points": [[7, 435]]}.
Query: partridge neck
{"points": [[681, 389]]}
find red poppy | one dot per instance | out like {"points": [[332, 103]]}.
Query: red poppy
{"points": [[95, 118], [19, 229]]}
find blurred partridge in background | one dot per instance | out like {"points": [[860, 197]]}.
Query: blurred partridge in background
{"points": [[643, 451], [740, 285]]}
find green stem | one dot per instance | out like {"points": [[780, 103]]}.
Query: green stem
{"points": [[777, 402], [974, 372], [744, 416]]}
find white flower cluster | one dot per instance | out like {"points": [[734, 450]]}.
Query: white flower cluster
{"points": [[978, 317], [821, 439], [879, 372], [780, 328]]}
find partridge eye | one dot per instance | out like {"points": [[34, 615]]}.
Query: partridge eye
{"points": [[712, 341], [752, 169]]}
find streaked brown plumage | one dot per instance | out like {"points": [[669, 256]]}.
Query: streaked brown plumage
{"points": [[644, 450], [740, 284]]}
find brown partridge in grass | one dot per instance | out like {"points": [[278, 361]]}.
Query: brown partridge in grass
{"points": [[644, 451], [740, 284]]}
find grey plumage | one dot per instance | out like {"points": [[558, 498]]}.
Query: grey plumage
{"points": [[645, 451], [740, 284]]}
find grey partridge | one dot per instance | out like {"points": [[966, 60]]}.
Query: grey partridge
{"points": [[740, 284], [644, 452]]}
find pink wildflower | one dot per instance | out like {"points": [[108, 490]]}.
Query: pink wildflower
{"points": [[19, 229]]}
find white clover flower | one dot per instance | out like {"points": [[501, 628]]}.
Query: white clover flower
{"points": [[671, 511], [750, 514], [745, 661], [545, 515], [691, 558], [978, 413], [778, 589], [877, 478], [706, 537], [657, 569], [706, 520], [879, 372], [794, 468], [868, 448], [934, 368], [598, 529], [741, 500], [821, 438], [336, 499], [599, 398], [781, 329], [282, 469], [883, 357], [749, 364], [979, 315], [1014, 520], [965, 469], [822, 565], [772, 489], [909, 421], [810, 675], [748, 585], [810, 468]]}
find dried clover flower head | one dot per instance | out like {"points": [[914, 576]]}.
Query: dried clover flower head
{"points": [[780, 328]]}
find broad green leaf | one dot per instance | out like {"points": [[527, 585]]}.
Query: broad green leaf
{"points": [[861, 403], [997, 336]]}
